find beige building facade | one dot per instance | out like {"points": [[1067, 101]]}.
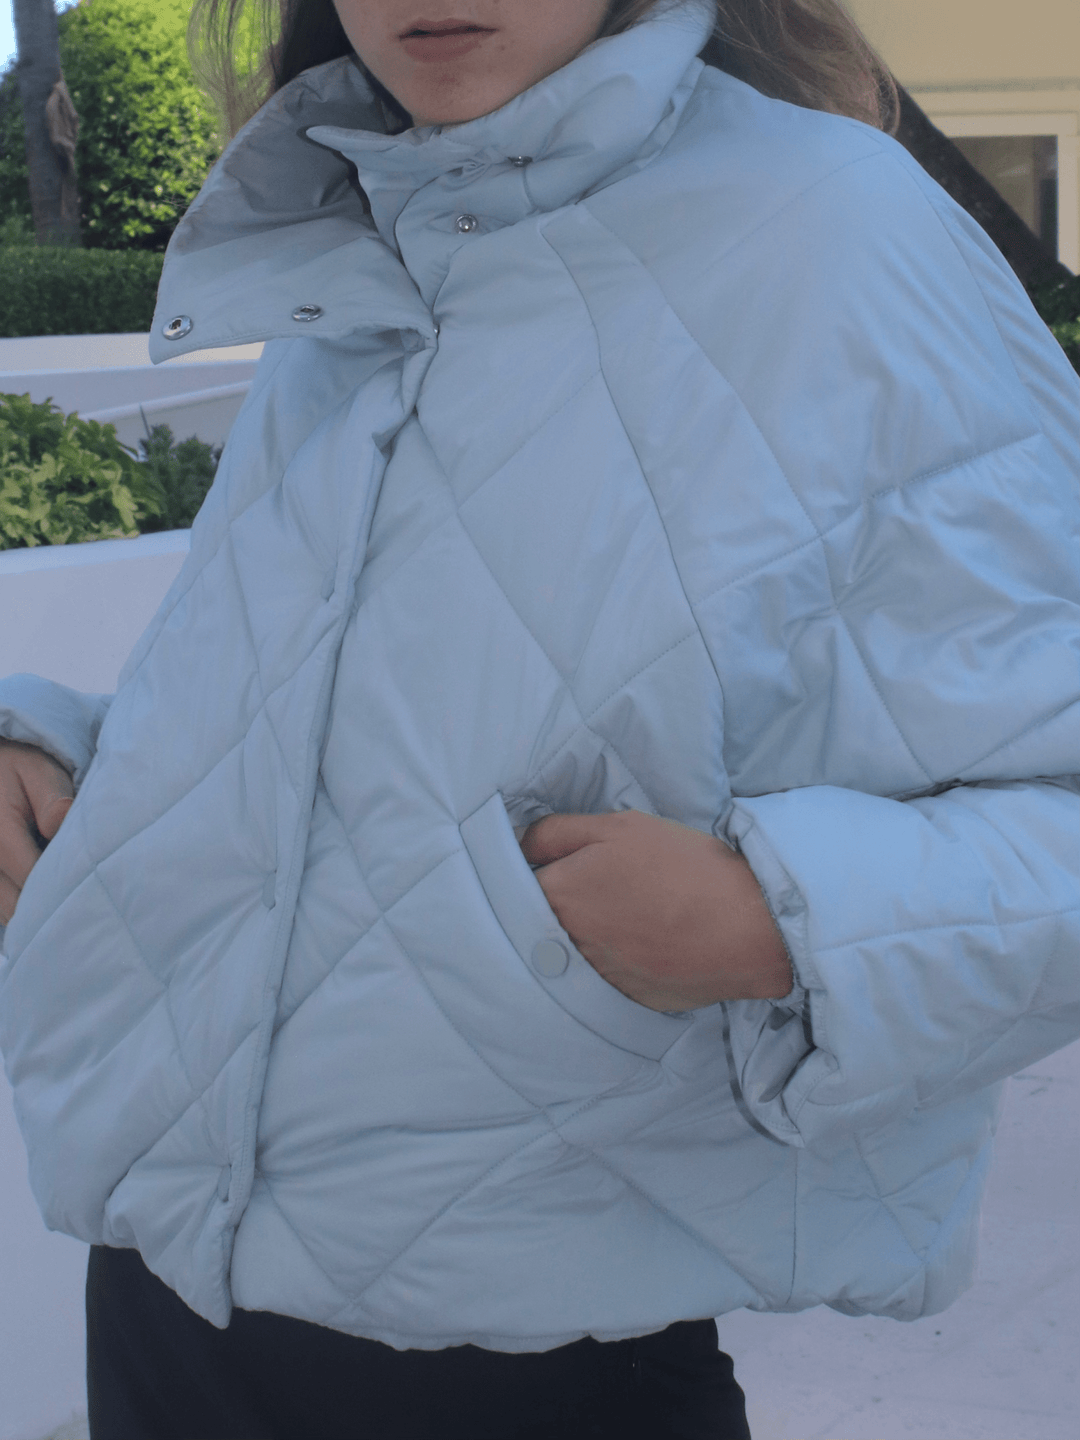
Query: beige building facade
{"points": [[1002, 78]]}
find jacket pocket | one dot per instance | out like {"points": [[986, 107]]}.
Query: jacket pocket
{"points": [[546, 950]]}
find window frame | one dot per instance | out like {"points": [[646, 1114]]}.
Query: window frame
{"points": [[963, 113]]}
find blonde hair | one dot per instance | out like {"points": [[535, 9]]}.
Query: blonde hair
{"points": [[809, 52]]}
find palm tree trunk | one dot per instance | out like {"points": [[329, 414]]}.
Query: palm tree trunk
{"points": [[52, 125]]}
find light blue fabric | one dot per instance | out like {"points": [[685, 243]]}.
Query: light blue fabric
{"points": [[721, 469]]}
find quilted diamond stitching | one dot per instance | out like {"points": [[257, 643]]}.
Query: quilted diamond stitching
{"points": [[198, 1098], [884, 1201], [381, 917], [264, 705], [665, 1210], [605, 742], [161, 618], [438, 1215], [820, 534], [998, 925], [554, 1128], [268, 1188], [1040, 724], [196, 1092], [195, 783], [567, 684], [524, 440]]}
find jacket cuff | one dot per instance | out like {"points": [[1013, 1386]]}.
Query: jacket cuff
{"points": [[767, 1040], [63, 722]]}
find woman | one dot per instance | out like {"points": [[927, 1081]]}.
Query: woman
{"points": [[657, 472]]}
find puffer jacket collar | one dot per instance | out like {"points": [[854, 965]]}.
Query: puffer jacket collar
{"points": [[282, 229], [610, 109]]}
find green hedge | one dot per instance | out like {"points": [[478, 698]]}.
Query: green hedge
{"points": [[1059, 306], [64, 479], [147, 135], [54, 291]]}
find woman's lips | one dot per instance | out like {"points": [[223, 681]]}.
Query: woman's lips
{"points": [[445, 45]]}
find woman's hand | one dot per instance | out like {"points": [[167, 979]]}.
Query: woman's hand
{"points": [[668, 915], [35, 795]]}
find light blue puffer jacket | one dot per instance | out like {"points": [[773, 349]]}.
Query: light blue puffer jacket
{"points": [[714, 465]]}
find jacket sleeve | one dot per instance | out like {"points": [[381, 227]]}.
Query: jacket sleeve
{"points": [[933, 925], [63, 722], [937, 940]]}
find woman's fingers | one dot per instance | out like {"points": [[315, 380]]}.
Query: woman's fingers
{"points": [[556, 836], [667, 914], [35, 794], [50, 813], [47, 787], [18, 850], [9, 896]]}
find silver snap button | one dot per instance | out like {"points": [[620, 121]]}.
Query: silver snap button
{"points": [[549, 958], [268, 891], [178, 327], [520, 160], [307, 312], [466, 224]]}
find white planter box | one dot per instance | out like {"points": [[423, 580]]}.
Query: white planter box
{"points": [[73, 612], [109, 378]]}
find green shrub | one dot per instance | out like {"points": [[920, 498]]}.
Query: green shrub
{"points": [[147, 134], [64, 480], [16, 230], [1059, 306], [53, 291], [181, 474], [1068, 337]]}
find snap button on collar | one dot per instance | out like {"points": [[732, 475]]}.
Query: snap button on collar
{"points": [[520, 160], [307, 312], [466, 224], [549, 958], [178, 327]]}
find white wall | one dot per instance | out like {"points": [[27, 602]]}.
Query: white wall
{"points": [[74, 612], [109, 378]]}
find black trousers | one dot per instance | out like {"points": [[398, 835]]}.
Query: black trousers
{"points": [[157, 1371]]}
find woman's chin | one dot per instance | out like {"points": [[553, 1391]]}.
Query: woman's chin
{"points": [[454, 110]]}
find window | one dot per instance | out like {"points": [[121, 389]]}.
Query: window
{"points": [[1027, 144], [1024, 170]]}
